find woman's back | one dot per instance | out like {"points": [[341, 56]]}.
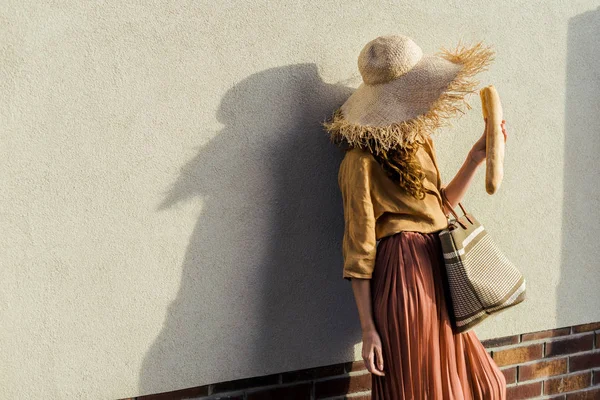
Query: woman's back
{"points": [[376, 207]]}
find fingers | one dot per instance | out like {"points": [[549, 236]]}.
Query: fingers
{"points": [[372, 368], [369, 361], [379, 358], [368, 358]]}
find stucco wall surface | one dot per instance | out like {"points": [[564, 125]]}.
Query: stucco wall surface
{"points": [[170, 213]]}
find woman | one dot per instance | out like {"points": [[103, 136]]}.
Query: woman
{"points": [[393, 210]]}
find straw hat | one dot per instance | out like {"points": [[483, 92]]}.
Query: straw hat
{"points": [[405, 94]]}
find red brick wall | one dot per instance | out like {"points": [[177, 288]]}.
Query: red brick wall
{"points": [[562, 363]]}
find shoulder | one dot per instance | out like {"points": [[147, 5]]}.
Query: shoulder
{"points": [[356, 165], [357, 156]]}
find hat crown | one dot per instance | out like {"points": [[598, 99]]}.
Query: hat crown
{"points": [[387, 57]]}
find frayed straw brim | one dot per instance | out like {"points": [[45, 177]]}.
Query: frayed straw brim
{"points": [[396, 113]]}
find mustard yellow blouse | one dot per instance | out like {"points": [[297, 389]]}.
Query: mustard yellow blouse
{"points": [[375, 206]]}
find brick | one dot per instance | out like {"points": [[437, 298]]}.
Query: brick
{"points": [[501, 341], [557, 397], [355, 366], [517, 355], [545, 334], [313, 373], [596, 378], [361, 397], [300, 391], [224, 397], [523, 391], [586, 327], [567, 383], [597, 341], [584, 361], [593, 394], [342, 386], [543, 368], [246, 383], [569, 345], [178, 394], [510, 374]]}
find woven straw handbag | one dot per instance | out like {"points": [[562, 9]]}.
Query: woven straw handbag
{"points": [[481, 280]]}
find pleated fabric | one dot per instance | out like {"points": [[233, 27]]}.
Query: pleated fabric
{"points": [[423, 358]]}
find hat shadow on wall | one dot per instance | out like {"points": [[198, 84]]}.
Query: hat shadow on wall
{"points": [[581, 198], [261, 288]]}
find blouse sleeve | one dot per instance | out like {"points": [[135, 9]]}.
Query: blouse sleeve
{"points": [[359, 243]]}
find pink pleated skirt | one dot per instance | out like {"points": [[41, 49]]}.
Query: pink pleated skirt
{"points": [[423, 358]]}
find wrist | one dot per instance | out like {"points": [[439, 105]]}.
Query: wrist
{"points": [[475, 161], [368, 329]]}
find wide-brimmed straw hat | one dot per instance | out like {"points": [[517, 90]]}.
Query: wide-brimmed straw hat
{"points": [[406, 94]]}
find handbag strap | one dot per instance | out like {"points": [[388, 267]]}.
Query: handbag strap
{"points": [[447, 203]]}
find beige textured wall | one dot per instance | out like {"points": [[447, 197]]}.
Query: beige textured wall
{"points": [[169, 212]]}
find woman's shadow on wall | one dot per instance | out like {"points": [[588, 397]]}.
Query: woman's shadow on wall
{"points": [[580, 275], [261, 289]]}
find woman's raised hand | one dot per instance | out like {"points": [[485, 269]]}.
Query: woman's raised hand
{"points": [[478, 152], [371, 352]]}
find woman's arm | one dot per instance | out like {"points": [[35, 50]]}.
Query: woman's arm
{"points": [[371, 349], [458, 186]]}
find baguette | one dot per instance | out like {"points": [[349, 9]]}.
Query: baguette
{"points": [[492, 110]]}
